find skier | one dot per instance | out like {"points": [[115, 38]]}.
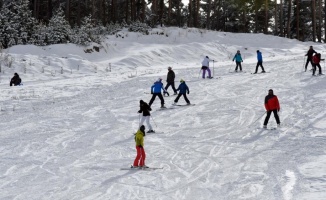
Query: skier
{"points": [[309, 54], [170, 81], [205, 66], [315, 60], [15, 80], [156, 91], [145, 109], [184, 90], [139, 139], [259, 62], [272, 105], [238, 59]]}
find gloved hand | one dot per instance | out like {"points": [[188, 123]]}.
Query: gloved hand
{"points": [[149, 109], [188, 92], [151, 92], [139, 111]]}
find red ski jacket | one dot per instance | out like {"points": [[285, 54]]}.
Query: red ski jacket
{"points": [[271, 103]]}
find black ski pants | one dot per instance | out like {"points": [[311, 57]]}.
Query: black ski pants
{"points": [[314, 68], [259, 63], [153, 98], [238, 64], [172, 85], [269, 115], [178, 97], [308, 60]]}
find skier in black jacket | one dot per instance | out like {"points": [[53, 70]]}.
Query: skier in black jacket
{"points": [[309, 54], [170, 81], [145, 109], [15, 80]]}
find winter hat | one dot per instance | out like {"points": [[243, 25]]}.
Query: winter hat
{"points": [[270, 90], [257, 51], [169, 68], [207, 57], [159, 79], [141, 102], [15, 74], [181, 80]]}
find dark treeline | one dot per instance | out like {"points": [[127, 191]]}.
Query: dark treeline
{"points": [[300, 19]]}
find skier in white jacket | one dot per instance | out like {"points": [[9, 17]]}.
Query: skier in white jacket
{"points": [[205, 66]]}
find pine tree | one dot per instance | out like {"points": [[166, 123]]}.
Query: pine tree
{"points": [[17, 23], [59, 29]]}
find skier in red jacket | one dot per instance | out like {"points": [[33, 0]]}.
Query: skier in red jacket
{"points": [[316, 60], [272, 105]]}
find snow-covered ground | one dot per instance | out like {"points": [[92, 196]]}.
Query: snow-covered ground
{"points": [[68, 130]]}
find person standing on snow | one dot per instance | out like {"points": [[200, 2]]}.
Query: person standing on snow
{"points": [[170, 81], [259, 62], [309, 54], [238, 60], [184, 90], [272, 105], [316, 60], [141, 156], [205, 66], [16, 80], [145, 109], [156, 91]]}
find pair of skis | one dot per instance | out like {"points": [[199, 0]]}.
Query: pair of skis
{"points": [[141, 168]]}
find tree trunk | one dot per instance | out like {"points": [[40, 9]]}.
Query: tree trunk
{"points": [[208, 19], [313, 8], [298, 20], [289, 20], [266, 17]]}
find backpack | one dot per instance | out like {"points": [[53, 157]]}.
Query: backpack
{"points": [[315, 59]]}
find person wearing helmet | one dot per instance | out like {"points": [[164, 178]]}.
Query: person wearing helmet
{"points": [[272, 105], [259, 62], [184, 90], [145, 109], [170, 81], [309, 55], [238, 59], [205, 66], [156, 91], [139, 140]]}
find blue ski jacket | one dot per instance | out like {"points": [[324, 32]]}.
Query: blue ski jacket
{"points": [[237, 57], [259, 56], [157, 87], [183, 88]]}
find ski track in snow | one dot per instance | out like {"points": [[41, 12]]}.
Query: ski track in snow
{"points": [[67, 138]]}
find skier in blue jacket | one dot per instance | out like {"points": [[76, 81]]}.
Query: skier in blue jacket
{"points": [[259, 62], [238, 59], [184, 90], [156, 91]]}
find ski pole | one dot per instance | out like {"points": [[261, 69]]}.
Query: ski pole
{"points": [[199, 73], [258, 118], [304, 59], [213, 69], [153, 121]]}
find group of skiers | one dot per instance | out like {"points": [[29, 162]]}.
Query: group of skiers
{"points": [[271, 101], [145, 109], [314, 58]]}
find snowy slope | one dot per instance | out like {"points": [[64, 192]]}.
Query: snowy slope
{"points": [[67, 132]]}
